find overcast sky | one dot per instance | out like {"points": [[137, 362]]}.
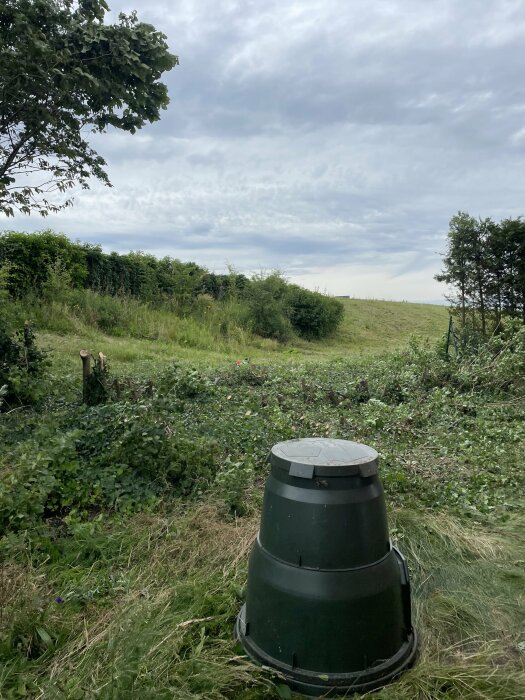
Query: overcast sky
{"points": [[330, 139]]}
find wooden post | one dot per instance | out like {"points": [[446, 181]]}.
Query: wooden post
{"points": [[86, 371], [449, 333], [101, 360]]}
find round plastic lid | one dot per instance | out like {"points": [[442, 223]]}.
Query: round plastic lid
{"points": [[309, 457]]}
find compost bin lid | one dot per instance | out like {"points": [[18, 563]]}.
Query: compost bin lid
{"points": [[309, 457]]}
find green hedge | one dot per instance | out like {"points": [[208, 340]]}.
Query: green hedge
{"points": [[48, 267]]}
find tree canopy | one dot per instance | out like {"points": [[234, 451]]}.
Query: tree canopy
{"points": [[65, 73], [485, 266]]}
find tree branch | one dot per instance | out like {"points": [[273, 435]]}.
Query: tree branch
{"points": [[12, 156]]}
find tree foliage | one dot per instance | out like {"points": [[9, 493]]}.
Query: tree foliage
{"points": [[63, 73], [33, 259], [269, 309], [279, 309], [45, 266], [485, 266], [312, 314]]}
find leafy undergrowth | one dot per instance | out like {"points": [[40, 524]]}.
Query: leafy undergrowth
{"points": [[127, 525]]}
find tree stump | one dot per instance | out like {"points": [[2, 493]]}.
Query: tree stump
{"points": [[86, 372]]}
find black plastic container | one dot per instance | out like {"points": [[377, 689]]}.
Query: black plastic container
{"points": [[328, 596]]}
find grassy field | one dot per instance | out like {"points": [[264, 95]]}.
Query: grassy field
{"points": [[369, 327], [121, 577], [150, 604], [377, 326]]}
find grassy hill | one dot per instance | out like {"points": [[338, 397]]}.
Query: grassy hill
{"points": [[376, 326], [369, 327]]}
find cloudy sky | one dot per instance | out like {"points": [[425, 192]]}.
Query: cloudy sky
{"points": [[332, 139]]}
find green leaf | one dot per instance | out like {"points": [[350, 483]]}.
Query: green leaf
{"points": [[76, 73], [284, 692], [45, 637]]}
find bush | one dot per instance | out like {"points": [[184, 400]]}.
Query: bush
{"points": [[231, 483], [124, 456], [133, 451], [313, 315], [33, 476], [182, 382], [31, 257], [268, 311], [69, 286], [277, 310], [22, 367]]}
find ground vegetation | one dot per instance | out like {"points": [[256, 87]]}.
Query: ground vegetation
{"points": [[126, 526], [46, 268]]}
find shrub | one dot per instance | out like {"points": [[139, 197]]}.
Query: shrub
{"points": [[32, 256], [69, 286], [277, 310], [231, 483], [124, 456], [182, 382], [131, 452], [57, 283], [27, 481], [268, 311], [22, 367], [313, 315]]}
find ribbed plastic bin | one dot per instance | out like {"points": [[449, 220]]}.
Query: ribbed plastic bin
{"points": [[328, 595]]}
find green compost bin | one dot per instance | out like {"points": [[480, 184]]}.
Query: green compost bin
{"points": [[328, 595]]}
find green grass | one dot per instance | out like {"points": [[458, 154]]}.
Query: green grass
{"points": [[377, 326], [369, 327], [150, 604], [150, 597]]}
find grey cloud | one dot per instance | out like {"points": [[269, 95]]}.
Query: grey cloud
{"points": [[332, 75], [312, 135]]}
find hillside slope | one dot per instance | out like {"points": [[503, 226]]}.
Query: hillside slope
{"points": [[372, 325], [369, 326]]}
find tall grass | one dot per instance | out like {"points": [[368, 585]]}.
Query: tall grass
{"points": [[211, 324], [129, 330], [173, 584]]}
